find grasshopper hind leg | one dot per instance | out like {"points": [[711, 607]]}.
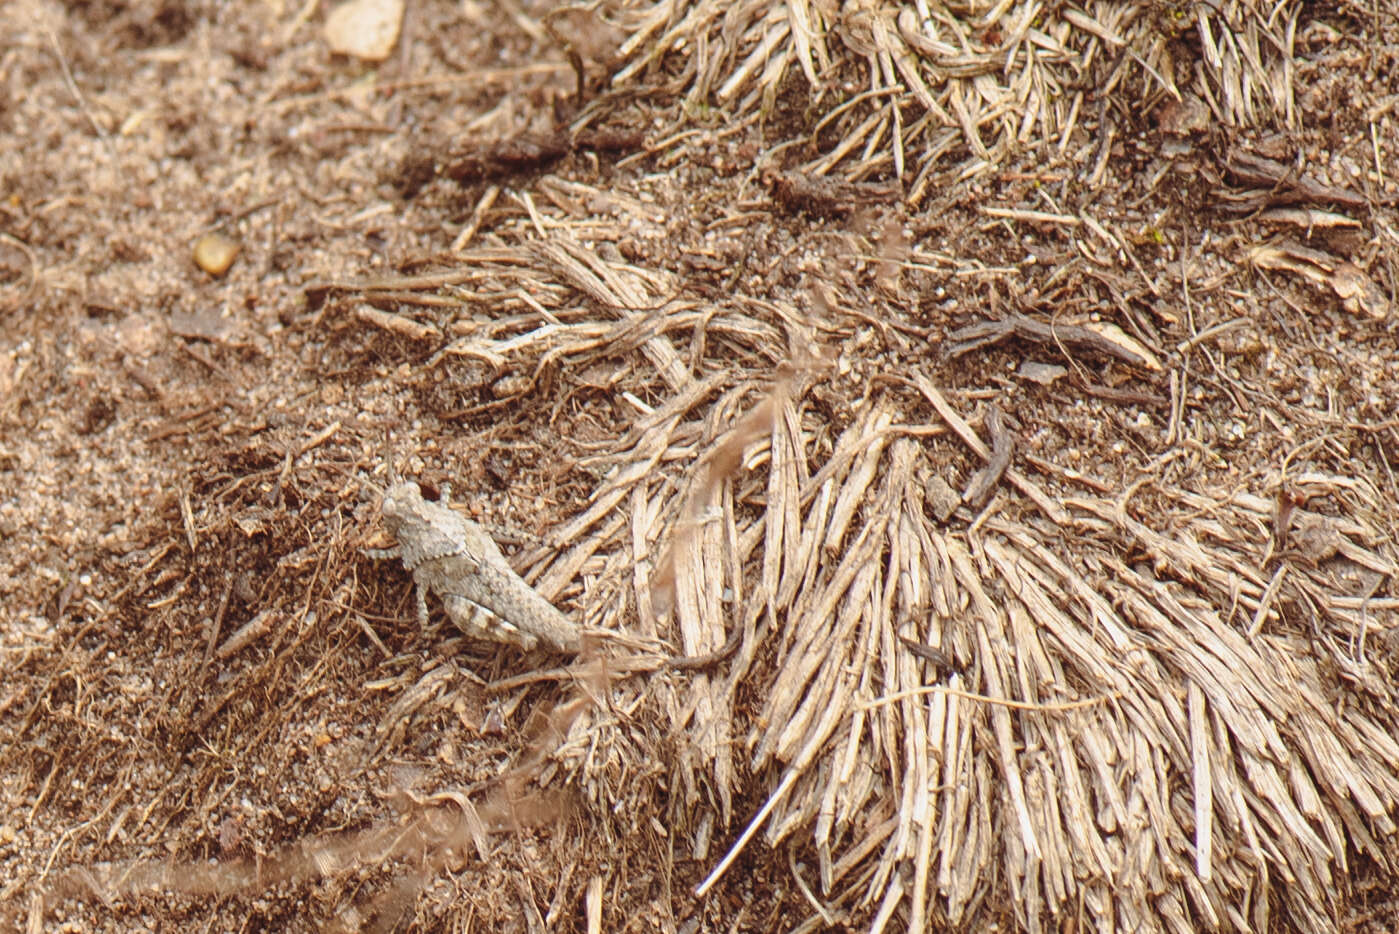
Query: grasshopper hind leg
{"points": [[476, 620]]}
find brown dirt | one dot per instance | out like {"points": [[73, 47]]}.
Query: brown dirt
{"points": [[178, 452]]}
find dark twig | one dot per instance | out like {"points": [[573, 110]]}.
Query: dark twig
{"points": [[701, 662], [986, 333], [1002, 446], [1288, 184]]}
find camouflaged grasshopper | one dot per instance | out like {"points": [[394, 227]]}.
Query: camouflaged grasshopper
{"points": [[456, 559]]}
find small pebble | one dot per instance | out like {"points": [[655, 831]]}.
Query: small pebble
{"points": [[215, 253]]}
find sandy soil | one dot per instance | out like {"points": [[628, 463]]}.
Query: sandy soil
{"points": [[178, 451]]}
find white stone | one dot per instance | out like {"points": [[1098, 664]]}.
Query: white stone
{"points": [[365, 29]]}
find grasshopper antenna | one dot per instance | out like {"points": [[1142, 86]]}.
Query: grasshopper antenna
{"points": [[386, 456]]}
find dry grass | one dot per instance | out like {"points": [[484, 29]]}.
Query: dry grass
{"points": [[1150, 690], [1161, 705], [899, 87], [1122, 704]]}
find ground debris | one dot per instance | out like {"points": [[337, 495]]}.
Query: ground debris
{"points": [[821, 196], [474, 163], [1358, 292], [1101, 337], [1135, 654], [1286, 184]]}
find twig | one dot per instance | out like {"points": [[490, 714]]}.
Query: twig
{"points": [[1002, 446], [959, 425], [1287, 184], [997, 701], [477, 216], [398, 324], [1036, 217], [986, 333]]}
